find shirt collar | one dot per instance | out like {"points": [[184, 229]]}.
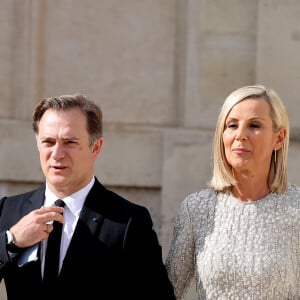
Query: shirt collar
{"points": [[74, 202]]}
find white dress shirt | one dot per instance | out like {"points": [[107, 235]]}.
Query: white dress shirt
{"points": [[73, 206]]}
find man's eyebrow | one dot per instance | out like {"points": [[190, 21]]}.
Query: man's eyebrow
{"points": [[70, 138], [63, 138]]}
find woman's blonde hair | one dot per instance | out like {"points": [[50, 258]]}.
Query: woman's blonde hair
{"points": [[223, 179]]}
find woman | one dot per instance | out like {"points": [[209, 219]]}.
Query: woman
{"points": [[239, 238]]}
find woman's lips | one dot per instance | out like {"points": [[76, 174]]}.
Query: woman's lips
{"points": [[240, 150]]}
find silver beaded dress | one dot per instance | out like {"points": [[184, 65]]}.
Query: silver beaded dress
{"points": [[237, 250]]}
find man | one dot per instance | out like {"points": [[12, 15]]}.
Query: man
{"points": [[108, 249]]}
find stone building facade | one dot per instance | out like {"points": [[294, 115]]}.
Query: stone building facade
{"points": [[160, 70]]}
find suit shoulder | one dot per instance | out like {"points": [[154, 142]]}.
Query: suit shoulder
{"points": [[23, 196], [125, 203], [113, 203]]}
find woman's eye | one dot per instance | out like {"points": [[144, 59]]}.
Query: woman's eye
{"points": [[231, 125], [255, 125]]}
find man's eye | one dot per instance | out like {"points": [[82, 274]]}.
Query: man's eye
{"points": [[71, 143]]}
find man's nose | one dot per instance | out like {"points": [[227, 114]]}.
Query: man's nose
{"points": [[58, 152]]}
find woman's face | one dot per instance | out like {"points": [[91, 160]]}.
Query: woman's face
{"points": [[249, 138]]}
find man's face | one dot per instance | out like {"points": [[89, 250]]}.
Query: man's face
{"points": [[66, 158]]}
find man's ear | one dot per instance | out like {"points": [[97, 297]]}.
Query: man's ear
{"points": [[97, 146]]}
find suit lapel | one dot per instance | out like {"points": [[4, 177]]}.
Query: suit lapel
{"points": [[91, 219], [97, 223], [35, 201]]}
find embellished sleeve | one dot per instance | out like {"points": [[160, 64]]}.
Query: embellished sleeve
{"points": [[180, 259]]}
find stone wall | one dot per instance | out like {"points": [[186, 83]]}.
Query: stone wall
{"points": [[159, 69]]}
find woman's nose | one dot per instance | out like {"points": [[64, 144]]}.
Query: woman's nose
{"points": [[241, 134]]}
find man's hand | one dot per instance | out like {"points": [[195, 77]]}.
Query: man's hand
{"points": [[36, 226]]}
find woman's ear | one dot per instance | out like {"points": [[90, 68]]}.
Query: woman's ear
{"points": [[281, 135]]}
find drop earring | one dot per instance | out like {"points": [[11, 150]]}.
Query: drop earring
{"points": [[275, 155]]}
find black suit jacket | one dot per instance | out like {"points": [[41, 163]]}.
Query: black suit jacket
{"points": [[114, 252]]}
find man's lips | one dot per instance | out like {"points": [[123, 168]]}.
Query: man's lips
{"points": [[58, 167]]}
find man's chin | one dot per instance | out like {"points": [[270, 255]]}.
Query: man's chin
{"points": [[58, 181]]}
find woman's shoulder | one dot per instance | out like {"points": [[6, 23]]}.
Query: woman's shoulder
{"points": [[202, 198], [289, 200], [201, 194], [292, 192]]}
